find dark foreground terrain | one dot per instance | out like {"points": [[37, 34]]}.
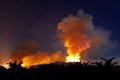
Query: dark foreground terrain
{"points": [[63, 71]]}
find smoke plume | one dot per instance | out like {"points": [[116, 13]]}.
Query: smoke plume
{"points": [[26, 48], [81, 37]]}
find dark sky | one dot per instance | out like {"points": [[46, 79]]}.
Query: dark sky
{"points": [[37, 20]]}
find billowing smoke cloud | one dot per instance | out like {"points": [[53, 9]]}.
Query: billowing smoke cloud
{"points": [[26, 48], [80, 36], [101, 46]]}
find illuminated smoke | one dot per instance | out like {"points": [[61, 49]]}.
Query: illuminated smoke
{"points": [[29, 53], [81, 39], [101, 46], [43, 58], [80, 36], [24, 49]]}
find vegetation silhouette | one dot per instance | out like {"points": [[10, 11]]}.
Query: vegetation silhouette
{"points": [[61, 70], [109, 63]]}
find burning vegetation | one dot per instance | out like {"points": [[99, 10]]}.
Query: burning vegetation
{"points": [[79, 37], [72, 31], [42, 58]]}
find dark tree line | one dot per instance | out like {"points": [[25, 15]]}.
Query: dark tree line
{"points": [[60, 71]]}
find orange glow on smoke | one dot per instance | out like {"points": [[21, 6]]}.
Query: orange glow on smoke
{"points": [[6, 64], [75, 32], [37, 59], [72, 32], [42, 58]]}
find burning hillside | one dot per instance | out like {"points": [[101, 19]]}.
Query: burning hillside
{"points": [[79, 37]]}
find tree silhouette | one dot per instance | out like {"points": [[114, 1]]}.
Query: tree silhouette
{"points": [[98, 64], [75, 70], [109, 62], [15, 65]]}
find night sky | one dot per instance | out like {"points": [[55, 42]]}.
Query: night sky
{"points": [[22, 20]]}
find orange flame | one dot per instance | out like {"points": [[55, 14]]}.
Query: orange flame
{"points": [[75, 32], [72, 32], [73, 58], [74, 53], [42, 58]]}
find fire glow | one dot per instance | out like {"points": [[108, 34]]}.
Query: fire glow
{"points": [[42, 58], [73, 35], [77, 34], [73, 58]]}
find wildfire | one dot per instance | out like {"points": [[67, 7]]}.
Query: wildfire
{"points": [[6, 66], [74, 52], [42, 58], [73, 33], [77, 34], [73, 58]]}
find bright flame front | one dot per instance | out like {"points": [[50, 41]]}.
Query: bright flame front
{"points": [[74, 50], [73, 58], [73, 53]]}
